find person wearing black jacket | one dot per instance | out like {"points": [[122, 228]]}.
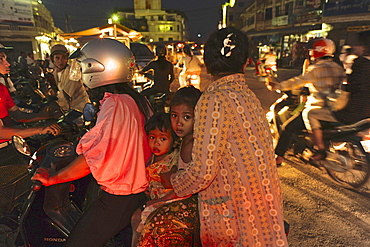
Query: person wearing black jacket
{"points": [[358, 107]]}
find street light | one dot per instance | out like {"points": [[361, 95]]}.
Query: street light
{"points": [[224, 10], [113, 20]]}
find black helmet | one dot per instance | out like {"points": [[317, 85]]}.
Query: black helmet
{"points": [[160, 51]]}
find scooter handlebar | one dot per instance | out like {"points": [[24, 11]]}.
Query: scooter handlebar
{"points": [[36, 185]]}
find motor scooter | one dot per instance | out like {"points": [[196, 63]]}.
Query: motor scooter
{"points": [[45, 216], [348, 152], [41, 216]]}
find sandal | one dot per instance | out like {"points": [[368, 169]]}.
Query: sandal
{"points": [[319, 155]]}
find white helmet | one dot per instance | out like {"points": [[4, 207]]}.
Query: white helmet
{"points": [[104, 62]]}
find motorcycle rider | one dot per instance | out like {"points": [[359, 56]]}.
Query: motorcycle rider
{"points": [[190, 64], [163, 73], [321, 78], [72, 94], [270, 60], [115, 150], [8, 110]]}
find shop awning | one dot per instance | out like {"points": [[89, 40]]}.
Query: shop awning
{"points": [[282, 31], [109, 28]]}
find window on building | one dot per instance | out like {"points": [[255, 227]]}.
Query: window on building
{"points": [[289, 8], [170, 38], [268, 14], [171, 18], [165, 28], [160, 18], [250, 20], [160, 39], [300, 3], [277, 11]]}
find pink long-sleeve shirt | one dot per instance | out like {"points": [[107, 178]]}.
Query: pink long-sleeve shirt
{"points": [[116, 148]]}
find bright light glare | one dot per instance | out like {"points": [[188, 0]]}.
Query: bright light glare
{"points": [[111, 65], [115, 18]]}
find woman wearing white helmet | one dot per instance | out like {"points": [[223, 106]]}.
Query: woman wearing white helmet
{"points": [[114, 150]]}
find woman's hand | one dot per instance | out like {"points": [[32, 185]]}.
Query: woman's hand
{"points": [[42, 174]]}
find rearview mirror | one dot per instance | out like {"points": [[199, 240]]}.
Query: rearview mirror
{"points": [[21, 146], [89, 112]]}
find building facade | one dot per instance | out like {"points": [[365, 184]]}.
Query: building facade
{"points": [[27, 26], [288, 25], [154, 23]]}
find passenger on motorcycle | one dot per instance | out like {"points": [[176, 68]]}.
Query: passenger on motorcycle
{"points": [[72, 94], [322, 78], [8, 110], [115, 150]]}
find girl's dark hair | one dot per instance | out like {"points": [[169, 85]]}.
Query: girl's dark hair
{"points": [[225, 51], [188, 95], [161, 121], [97, 94]]}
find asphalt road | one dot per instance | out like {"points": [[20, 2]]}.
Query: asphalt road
{"points": [[320, 211]]}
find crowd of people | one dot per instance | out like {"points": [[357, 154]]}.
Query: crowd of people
{"points": [[203, 174]]}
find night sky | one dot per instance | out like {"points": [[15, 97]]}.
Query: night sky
{"points": [[203, 15]]}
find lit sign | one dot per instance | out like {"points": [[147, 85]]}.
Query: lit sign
{"points": [[16, 12]]}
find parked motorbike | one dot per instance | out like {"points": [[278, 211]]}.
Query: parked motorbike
{"points": [[35, 94], [348, 152], [159, 101]]}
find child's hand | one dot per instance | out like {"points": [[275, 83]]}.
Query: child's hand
{"points": [[166, 177]]}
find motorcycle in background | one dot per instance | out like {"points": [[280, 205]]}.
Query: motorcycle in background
{"points": [[193, 79], [348, 146]]}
